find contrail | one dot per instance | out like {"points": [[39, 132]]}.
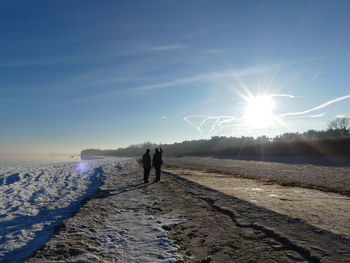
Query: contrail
{"points": [[218, 121], [317, 107], [222, 122], [281, 95], [215, 127]]}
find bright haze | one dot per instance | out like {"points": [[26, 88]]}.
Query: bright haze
{"points": [[106, 74]]}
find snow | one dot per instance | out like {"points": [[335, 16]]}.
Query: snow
{"points": [[36, 198], [124, 226], [134, 229], [131, 236]]}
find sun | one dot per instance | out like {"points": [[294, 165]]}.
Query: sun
{"points": [[259, 111]]}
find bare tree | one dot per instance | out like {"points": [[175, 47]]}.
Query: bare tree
{"points": [[342, 124]]}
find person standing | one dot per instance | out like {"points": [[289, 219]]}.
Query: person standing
{"points": [[146, 163], [157, 162]]}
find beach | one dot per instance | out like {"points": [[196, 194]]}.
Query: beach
{"points": [[179, 220], [328, 178], [175, 131]]}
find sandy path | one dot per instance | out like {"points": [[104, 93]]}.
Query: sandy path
{"points": [[211, 235], [329, 211], [223, 228], [321, 177]]}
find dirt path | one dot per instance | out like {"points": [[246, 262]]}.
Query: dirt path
{"points": [[329, 178], [224, 228], [329, 211]]}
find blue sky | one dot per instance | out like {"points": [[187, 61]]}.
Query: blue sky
{"points": [[107, 74]]}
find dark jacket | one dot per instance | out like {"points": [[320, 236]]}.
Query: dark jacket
{"points": [[157, 158], [146, 161]]}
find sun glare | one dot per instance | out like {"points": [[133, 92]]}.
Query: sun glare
{"points": [[259, 111]]}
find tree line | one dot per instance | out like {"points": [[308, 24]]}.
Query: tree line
{"points": [[333, 141]]}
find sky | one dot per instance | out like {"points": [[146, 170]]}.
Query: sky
{"points": [[107, 74]]}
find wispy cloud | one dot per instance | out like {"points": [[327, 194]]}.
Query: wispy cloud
{"points": [[167, 47], [341, 116], [282, 95], [71, 59], [209, 76], [192, 79], [317, 115], [163, 117], [204, 77]]}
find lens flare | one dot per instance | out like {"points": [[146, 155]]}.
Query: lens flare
{"points": [[82, 167]]}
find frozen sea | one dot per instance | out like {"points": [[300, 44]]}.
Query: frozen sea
{"points": [[37, 194]]}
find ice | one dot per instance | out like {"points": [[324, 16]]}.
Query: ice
{"points": [[34, 199]]}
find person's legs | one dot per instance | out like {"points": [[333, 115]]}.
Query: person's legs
{"points": [[148, 171], [157, 173], [146, 175]]}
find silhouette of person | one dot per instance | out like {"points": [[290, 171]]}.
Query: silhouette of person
{"points": [[146, 163], [157, 162]]}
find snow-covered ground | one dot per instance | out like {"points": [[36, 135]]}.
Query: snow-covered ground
{"points": [[34, 198], [120, 223]]}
